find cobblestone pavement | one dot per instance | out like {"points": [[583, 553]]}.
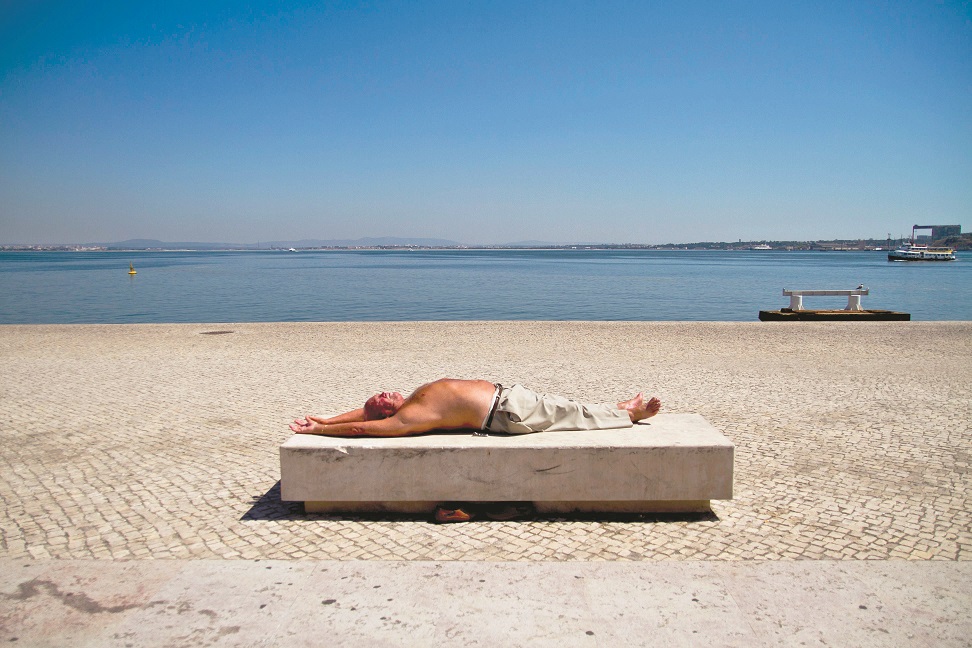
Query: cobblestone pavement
{"points": [[160, 441]]}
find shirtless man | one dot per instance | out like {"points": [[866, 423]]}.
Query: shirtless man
{"points": [[450, 404]]}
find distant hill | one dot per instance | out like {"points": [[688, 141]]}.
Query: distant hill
{"points": [[153, 244], [960, 242], [529, 244]]}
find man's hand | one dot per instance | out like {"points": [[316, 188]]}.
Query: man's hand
{"points": [[307, 425]]}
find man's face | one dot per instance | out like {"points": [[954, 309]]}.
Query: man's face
{"points": [[385, 403]]}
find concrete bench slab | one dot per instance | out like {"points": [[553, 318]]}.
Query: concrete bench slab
{"points": [[853, 297], [674, 462]]}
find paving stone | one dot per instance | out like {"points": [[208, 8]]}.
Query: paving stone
{"points": [[854, 441]]}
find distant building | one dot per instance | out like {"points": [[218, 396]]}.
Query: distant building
{"points": [[941, 231]]}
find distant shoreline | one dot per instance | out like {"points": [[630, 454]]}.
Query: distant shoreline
{"points": [[870, 245]]}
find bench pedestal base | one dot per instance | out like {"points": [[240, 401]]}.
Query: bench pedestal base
{"points": [[542, 508]]}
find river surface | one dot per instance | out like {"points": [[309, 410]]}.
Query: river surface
{"points": [[387, 285]]}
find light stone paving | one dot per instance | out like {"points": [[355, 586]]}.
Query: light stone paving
{"points": [[160, 441]]}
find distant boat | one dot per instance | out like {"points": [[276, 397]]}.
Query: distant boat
{"points": [[915, 252], [292, 250], [131, 268], [761, 246], [911, 251]]}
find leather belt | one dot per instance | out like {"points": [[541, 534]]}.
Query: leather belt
{"points": [[492, 409]]}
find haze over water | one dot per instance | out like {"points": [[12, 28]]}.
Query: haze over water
{"points": [[382, 285]]}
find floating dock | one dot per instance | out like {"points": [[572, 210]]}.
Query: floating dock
{"points": [[790, 315], [853, 313]]}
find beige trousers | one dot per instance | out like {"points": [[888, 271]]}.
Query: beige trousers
{"points": [[522, 411]]}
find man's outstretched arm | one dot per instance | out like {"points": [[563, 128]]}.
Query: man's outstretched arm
{"points": [[347, 417], [388, 427]]}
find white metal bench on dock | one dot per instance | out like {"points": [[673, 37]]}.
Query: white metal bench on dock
{"points": [[853, 297], [678, 462]]}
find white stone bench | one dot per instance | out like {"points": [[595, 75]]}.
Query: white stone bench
{"points": [[853, 297], [674, 463]]}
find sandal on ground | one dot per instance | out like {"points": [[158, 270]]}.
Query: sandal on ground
{"points": [[454, 512]]}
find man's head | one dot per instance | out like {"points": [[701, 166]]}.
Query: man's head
{"points": [[383, 405]]}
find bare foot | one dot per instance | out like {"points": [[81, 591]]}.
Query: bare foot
{"points": [[647, 410], [634, 403]]}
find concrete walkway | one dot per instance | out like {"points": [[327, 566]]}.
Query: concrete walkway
{"points": [[138, 465], [327, 603]]}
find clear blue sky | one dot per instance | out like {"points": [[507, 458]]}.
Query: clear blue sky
{"points": [[483, 122]]}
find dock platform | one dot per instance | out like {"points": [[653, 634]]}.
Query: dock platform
{"points": [[789, 315]]}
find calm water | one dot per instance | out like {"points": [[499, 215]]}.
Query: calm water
{"points": [[94, 287]]}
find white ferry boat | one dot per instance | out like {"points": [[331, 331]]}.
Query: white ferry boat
{"points": [[915, 252]]}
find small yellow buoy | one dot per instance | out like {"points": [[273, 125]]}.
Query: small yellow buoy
{"points": [[131, 268]]}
